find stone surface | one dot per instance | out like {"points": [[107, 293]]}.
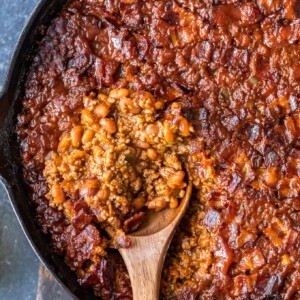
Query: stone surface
{"points": [[13, 16], [48, 288], [18, 263]]}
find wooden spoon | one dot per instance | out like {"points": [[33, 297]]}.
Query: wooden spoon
{"points": [[144, 259]]}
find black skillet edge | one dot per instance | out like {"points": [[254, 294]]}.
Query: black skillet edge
{"points": [[10, 164]]}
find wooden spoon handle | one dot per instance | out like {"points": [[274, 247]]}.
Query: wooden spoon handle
{"points": [[145, 267], [145, 258]]}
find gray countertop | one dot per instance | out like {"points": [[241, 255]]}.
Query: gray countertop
{"points": [[18, 263]]}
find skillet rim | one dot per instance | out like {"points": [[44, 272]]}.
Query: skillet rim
{"points": [[43, 11]]}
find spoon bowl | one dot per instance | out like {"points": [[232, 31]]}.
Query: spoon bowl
{"points": [[144, 259]]}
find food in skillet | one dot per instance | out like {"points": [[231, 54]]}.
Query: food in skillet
{"points": [[233, 69], [118, 160]]}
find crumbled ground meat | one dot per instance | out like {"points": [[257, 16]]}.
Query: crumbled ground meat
{"points": [[233, 68], [119, 159]]}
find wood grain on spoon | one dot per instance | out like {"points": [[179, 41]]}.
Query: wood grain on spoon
{"points": [[144, 259]]}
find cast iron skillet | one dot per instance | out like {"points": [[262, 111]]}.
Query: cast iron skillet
{"points": [[10, 163]]}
